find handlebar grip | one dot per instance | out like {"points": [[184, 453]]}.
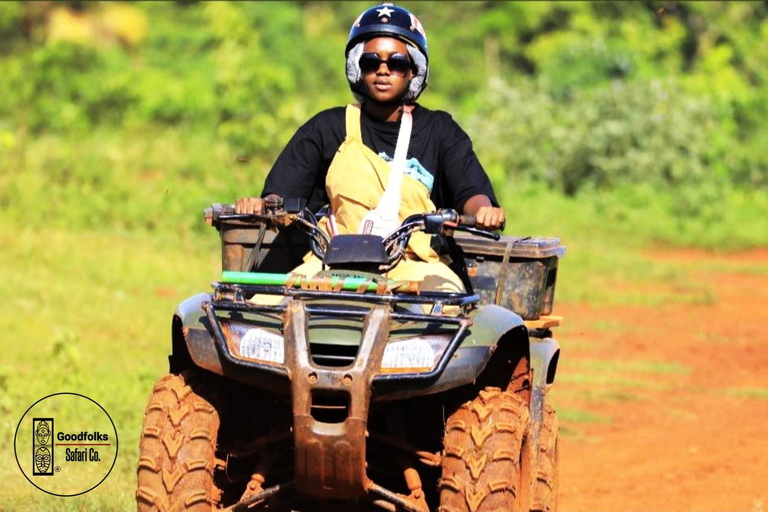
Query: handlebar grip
{"points": [[467, 220], [471, 221]]}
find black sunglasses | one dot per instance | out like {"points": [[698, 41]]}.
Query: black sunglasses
{"points": [[398, 64]]}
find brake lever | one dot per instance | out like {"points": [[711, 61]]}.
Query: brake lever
{"points": [[478, 232], [243, 216]]}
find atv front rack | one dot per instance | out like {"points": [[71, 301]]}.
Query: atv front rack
{"points": [[231, 297], [239, 292]]}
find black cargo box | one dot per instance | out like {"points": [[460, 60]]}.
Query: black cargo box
{"points": [[517, 273]]}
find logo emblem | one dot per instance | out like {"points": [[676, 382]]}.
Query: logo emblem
{"points": [[43, 461], [42, 446], [385, 11], [65, 444]]}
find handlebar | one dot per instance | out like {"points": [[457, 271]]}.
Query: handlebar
{"points": [[279, 213], [282, 213]]}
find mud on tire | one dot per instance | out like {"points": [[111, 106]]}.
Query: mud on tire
{"points": [[547, 477], [487, 458], [177, 448]]}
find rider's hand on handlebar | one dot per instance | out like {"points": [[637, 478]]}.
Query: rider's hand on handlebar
{"points": [[489, 217], [250, 205]]}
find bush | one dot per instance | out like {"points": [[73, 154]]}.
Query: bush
{"points": [[622, 133]]}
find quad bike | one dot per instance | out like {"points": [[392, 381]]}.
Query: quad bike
{"points": [[350, 391]]}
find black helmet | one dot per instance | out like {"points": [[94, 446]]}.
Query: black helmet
{"points": [[388, 20]]}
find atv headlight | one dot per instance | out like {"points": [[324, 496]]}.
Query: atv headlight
{"points": [[413, 355], [255, 343]]}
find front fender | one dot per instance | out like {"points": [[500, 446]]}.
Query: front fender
{"points": [[491, 322], [194, 345], [192, 340]]}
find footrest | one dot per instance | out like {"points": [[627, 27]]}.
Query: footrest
{"points": [[544, 322]]}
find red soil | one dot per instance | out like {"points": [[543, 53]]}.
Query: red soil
{"points": [[692, 438]]}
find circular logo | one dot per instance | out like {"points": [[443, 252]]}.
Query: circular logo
{"points": [[66, 444]]}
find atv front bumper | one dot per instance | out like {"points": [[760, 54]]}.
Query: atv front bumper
{"points": [[330, 451]]}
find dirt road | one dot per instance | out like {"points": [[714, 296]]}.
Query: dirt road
{"points": [[669, 404]]}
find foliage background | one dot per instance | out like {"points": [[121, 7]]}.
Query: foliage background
{"points": [[183, 103], [613, 125]]}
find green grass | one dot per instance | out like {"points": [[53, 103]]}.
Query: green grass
{"points": [[573, 420], [147, 178], [599, 381], [732, 267], [600, 395], [89, 312], [581, 416], [606, 325], [596, 367], [615, 380], [761, 393]]}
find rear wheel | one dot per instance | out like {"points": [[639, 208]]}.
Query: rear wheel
{"points": [[547, 477], [177, 448], [486, 466]]}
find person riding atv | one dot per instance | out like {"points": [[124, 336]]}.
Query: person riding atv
{"points": [[403, 366], [386, 157]]}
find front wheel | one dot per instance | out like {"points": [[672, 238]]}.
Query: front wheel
{"points": [[177, 448], [486, 466]]}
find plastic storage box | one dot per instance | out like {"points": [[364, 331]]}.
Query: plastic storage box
{"points": [[279, 251], [517, 273]]}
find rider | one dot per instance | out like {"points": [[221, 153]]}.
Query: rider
{"points": [[386, 157]]}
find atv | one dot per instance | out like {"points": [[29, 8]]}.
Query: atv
{"points": [[350, 391]]}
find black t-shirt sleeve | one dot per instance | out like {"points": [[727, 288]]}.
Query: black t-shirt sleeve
{"points": [[300, 170], [464, 176]]}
